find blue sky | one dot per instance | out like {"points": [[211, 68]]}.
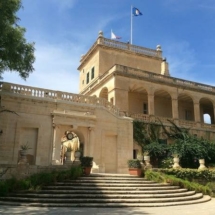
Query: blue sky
{"points": [[63, 30]]}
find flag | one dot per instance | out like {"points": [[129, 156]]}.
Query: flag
{"points": [[136, 12], [114, 37]]}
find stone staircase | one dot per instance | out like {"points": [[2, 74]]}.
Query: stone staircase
{"points": [[106, 190]]}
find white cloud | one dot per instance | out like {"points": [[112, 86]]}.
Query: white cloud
{"points": [[55, 68]]}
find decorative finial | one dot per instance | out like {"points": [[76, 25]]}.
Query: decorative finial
{"points": [[100, 33], [158, 48]]}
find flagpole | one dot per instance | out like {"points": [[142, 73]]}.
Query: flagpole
{"points": [[131, 23]]}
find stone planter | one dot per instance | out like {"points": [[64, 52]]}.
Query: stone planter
{"points": [[147, 162], [69, 158], [87, 170], [140, 157], [202, 164], [23, 158], [176, 163], [134, 171]]}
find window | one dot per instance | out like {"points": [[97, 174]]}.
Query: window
{"points": [[88, 77], [83, 70], [145, 108], [92, 73], [83, 82], [187, 114]]}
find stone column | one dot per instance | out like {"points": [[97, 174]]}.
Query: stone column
{"points": [[56, 149], [175, 109], [91, 141], [151, 109], [197, 113], [121, 99]]}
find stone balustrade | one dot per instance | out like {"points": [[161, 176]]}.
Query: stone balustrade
{"points": [[165, 121], [123, 46], [57, 95]]}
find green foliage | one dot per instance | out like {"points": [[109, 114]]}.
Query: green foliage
{"points": [[86, 161], [166, 163], [25, 146], [15, 53], [134, 164], [172, 180], [156, 149], [190, 174], [145, 133], [175, 132], [37, 181], [188, 147]]}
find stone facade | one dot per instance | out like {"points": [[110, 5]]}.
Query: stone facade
{"points": [[138, 82], [119, 82], [44, 115]]}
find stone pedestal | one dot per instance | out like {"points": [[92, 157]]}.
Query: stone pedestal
{"points": [[147, 162], [202, 164], [176, 163]]}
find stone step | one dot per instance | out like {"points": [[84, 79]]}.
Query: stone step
{"points": [[105, 205], [101, 184], [100, 180], [118, 187], [103, 195], [97, 191], [106, 190], [103, 200]]}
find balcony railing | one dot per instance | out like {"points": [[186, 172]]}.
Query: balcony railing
{"points": [[124, 46], [165, 121], [47, 94]]}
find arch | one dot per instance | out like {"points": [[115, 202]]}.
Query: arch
{"points": [[206, 107], [186, 107], [137, 99], [104, 93], [163, 103]]}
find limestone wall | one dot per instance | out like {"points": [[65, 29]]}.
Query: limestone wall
{"points": [[41, 123]]}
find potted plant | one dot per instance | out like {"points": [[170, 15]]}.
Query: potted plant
{"points": [[23, 152], [134, 166], [24, 149], [86, 163]]}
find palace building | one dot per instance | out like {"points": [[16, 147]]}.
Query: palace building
{"points": [[118, 83]]}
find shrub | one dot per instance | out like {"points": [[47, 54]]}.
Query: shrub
{"points": [[166, 163], [134, 164], [37, 181], [161, 177], [86, 161]]}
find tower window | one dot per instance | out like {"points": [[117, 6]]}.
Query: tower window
{"points": [[88, 77], [92, 73]]}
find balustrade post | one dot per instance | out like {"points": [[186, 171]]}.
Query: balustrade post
{"points": [[59, 95], [6, 87]]}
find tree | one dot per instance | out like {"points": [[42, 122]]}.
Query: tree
{"points": [[15, 53]]}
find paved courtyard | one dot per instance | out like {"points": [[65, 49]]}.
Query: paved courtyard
{"points": [[207, 208]]}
